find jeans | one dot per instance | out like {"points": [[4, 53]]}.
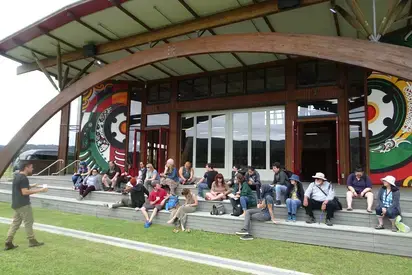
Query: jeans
{"points": [[254, 214], [243, 202], [280, 190], [84, 190], [200, 187], [75, 178], [390, 213], [293, 205], [312, 204], [125, 202]]}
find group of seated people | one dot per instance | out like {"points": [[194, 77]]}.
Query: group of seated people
{"points": [[160, 190]]}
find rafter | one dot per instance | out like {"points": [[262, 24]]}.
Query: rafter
{"points": [[213, 21], [335, 17]]}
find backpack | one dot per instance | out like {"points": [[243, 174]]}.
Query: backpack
{"points": [[218, 209], [171, 202], [237, 209], [288, 173]]}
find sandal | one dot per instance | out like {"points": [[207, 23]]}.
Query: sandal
{"points": [[369, 211], [349, 209], [379, 226]]}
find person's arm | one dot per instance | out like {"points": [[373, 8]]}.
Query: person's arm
{"points": [[368, 186], [349, 183], [117, 173], [282, 178], [257, 178], [309, 191], [331, 193], [213, 188], [192, 174], [181, 173], [395, 201], [196, 201], [173, 175]]}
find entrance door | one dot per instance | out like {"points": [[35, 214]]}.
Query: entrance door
{"points": [[154, 147], [316, 149]]}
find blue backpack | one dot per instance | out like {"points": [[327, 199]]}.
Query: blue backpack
{"points": [[172, 202]]}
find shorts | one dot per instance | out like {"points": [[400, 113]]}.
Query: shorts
{"points": [[149, 206]]}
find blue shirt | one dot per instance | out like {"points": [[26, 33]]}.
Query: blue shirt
{"points": [[173, 175], [387, 199], [359, 185]]}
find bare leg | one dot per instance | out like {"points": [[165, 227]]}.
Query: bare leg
{"points": [[209, 196], [104, 180], [144, 212], [219, 197], [369, 198], [380, 219], [153, 214], [349, 197]]}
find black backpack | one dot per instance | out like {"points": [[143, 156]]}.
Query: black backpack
{"points": [[237, 209]]}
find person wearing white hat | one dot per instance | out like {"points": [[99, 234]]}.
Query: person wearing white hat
{"points": [[320, 195], [389, 206]]}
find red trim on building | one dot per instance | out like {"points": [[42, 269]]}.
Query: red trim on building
{"points": [[54, 21]]}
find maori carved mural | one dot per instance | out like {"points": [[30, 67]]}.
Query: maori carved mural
{"points": [[104, 125], [390, 128]]}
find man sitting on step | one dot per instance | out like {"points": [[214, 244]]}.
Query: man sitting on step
{"points": [[320, 195], [133, 196], [157, 200]]}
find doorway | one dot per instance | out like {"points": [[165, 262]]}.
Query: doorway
{"points": [[316, 149]]}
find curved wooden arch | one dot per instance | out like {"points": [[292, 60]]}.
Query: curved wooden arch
{"points": [[385, 58]]}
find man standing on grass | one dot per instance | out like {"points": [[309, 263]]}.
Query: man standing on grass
{"points": [[21, 205]]}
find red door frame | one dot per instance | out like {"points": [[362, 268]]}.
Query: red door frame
{"points": [[161, 153]]}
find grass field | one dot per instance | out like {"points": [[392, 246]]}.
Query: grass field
{"points": [[65, 255], [300, 257]]}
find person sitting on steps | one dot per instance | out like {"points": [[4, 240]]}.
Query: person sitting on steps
{"points": [[219, 189], [294, 197], [111, 176], [252, 177], [133, 196], [152, 176], [206, 181], [92, 182], [179, 216], [235, 171], [389, 206], [78, 177], [280, 182], [264, 212], [187, 174], [169, 177], [244, 193], [320, 195], [359, 186], [157, 200]]}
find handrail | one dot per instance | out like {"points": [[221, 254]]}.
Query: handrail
{"points": [[48, 167], [64, 168]]}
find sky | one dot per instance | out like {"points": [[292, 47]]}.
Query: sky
{"points": [[23, 95]]}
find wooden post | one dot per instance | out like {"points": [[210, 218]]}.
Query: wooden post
{"points": [[64, 136]]}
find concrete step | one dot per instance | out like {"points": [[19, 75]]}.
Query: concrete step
{"points": [[341, 236], [357, 217]]}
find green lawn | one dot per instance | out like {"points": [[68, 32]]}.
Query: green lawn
{"points": [[300, 257], [65, 255]]}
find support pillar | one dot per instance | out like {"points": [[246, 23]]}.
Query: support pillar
{"points": [[174, 136], [64, 135]]}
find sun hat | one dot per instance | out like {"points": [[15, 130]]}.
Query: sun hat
{"points": [[319, 175], [295, 178], [389, 179]]}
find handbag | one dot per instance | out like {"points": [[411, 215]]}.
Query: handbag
{"points": [[335, 199], [218, 209]]}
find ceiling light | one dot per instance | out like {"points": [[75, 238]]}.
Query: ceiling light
{"points": [[332, 10]]}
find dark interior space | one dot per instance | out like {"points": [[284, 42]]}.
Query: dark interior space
{"points": [[319, 150]]}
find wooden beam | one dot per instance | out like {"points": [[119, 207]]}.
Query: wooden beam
{"points": [[65, 77], [335, 18], [46, 73], [79, 74], [59, 67], [208, 22], [392, 59]]}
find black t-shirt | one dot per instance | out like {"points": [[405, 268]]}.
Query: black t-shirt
{"points": [[210, 177], [112, 173], [18, 200]]}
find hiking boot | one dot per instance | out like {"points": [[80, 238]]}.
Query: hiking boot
{"points": [[293, 218], [242, 232], [328, 222], [311, 220], [34, 243], [278, 202], [289, 218], [247, 237], [10, 246]]}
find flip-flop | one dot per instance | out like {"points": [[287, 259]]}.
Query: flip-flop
{"points": [[349, 209], [369, 211]]}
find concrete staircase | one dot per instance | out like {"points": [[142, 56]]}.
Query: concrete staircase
{"points": [[351, 230]]}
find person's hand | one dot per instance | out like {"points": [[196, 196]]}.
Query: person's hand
{"points": [[274, 221], [43, 190], [34, 185], [355, 194], [362, 194], [383, 211], [324, 205], [305, 202]]}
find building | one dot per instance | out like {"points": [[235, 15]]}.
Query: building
{"points": [[316, 85]]}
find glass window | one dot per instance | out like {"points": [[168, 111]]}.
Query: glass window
{"points": [[218, 85], [306, 74], [202, 139], [327, 72], [157, 120], [240, 138], [201, 87], [235, 83], [275, 79], [187, 135], [218, 149], [277, 134], [165, 92], [153, 93], [256, 81], [318, 108], [259, 140], [185, 89]]}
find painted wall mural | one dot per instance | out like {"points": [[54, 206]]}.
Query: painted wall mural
{"points": [[390, 128], [104, 125]]}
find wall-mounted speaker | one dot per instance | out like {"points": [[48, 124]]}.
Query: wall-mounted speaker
{"points": [[288, 4], [89, 50]]}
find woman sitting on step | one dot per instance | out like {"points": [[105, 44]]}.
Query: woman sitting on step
{"points": [[170, 177], [359, 186], [389, 206], [92, 182], [219, 189], [244, 193], [78, 177], [294, 197], [179, 215]]}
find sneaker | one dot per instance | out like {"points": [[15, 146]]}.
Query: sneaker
{"points": [[278, 203], [137, 209], [289, 217], [110, 206], [293, 218], [10, 246], [379, 227], [34, 243], [247, 237], [146, 224], [242, 232], [311, 220], [328, 222]]}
